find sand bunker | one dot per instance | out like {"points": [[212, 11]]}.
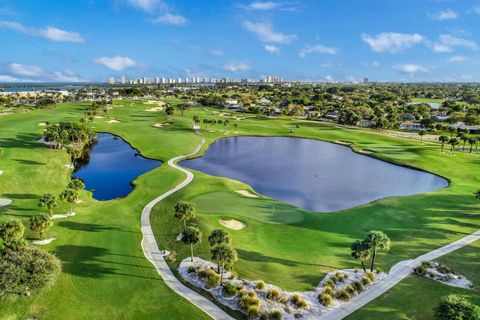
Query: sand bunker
{"points": [[1, 172], [247, 193], [159, 125], [5, 202], [43, 242], [232, 224], [69, 166], [42, 124], [157, 102], [113, 121], [99, 117], [61, 216], [154, 109]]}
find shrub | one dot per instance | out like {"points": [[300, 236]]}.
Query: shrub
{"points": [[334, 279], [213, 279], [330, 283], [253, 311], [341, 276], [252, 294], [455, 307], [283, 299], [371, 276], [327, 290], [191, 269], [358, 286], [325, 299], [229, 289], [298, 301], [260, 285], [276, 315], [349, 289], [202, 273], [247, 301], [27, 271], [273, 294], [342, 295], [366, 280], [171, 257], [420, 270]]}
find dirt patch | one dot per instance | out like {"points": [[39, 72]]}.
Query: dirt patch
{"points": [[232, 224], [247, 193]]}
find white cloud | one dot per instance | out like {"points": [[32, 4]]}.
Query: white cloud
{"points": [[217, 52], [410, 68], [116, 63], [440, 47], [67, 76], [267, 5], [26, 70], [475, 10], [457, 59], [392, 42], [146, 5], [452, 41], [235, 66], [266, 33], [170, 18], [272, 49], [7, 78], [444, 15], [321, 49], [50, 33], [329, 79], [375, 64]]}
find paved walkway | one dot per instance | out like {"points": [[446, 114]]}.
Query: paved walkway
{"points": [[397, 273], [153, 253]]}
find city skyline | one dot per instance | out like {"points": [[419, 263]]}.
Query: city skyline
{"points": [[411, 41]]}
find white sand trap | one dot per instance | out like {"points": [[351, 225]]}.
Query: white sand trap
{"points": [[78, 201], [246, 193], [43, 242], [155, 109], [232, 224], [1, 172], [99, 117], [42, 124], [113, 121], [61, 216], [157, 102], [68, 166], [159, 125], [5, 202], [180, 236], [195, 127]]}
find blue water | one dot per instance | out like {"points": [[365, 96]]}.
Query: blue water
{"points": [[112, 166], [311, 174]]}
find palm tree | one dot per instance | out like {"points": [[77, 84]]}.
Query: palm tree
{"points": [[219, 236], [181, 107], [40, 222], [223, 253], [360, 251], [11, 232], [169, 111], [76, 184], [235, 126], [377, 240], [452, 131], [464, 138], [453, 142], [477, 194], [48, 201], [421, 134], [71, 196], [184, 212], [443, 140], [192, 235], [472, 141]]}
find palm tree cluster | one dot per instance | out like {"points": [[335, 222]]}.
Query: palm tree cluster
{"points": [[191, 234], [222, 251], [213, 122], [455, 141], [366, 249], [95, 109]]}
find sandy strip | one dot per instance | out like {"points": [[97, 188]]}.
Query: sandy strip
{"points": [[113, 121], [78, 201], [246, 193], [159, 125], [60, 216], [180, 236], [43, 242], [157, 102], [69, 166], [5, 202], [42, 124], [1, 172], [99, 117], [232, 224]]}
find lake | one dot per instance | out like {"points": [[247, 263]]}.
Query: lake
{"points": [[311, 174], [111, 167]]}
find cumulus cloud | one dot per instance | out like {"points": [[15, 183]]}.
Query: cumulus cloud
{"points": [[410, 68], [235, 66], [321, 49], [262, 6], [444, 15], [266, 33], [392, 42], [116, 63], [272, 49], [146, 5], [67, 76], [7, 78], [50, 33], [171, 19], [447, 43], [457, 59], [25, 70]]}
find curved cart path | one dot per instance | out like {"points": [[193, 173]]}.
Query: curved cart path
{"points": [[397, 273], [156, 257]]}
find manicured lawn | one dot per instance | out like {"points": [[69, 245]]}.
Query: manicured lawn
{"points": [[415, 297]]}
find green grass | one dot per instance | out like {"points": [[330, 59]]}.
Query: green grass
{"points": [[415, 297], [105, 274]]}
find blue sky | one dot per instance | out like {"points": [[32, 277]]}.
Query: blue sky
{"points": [[330, 40]]}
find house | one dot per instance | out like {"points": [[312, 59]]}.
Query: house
{"points": [[367, 123], [412, 126], [333, 115], [464, 127]]}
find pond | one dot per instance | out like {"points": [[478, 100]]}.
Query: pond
{"points": [[311, 174], [111, 167]]}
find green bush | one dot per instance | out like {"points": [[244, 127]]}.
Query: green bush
{"points": [[260, 285], [298, 301], [334, 278], [171, 257], [276, 315], [229, 289], [366, 280], [253, 311], [358, 286], [213, 279], [202, 273], [252, 294], [349, 289], [453, 307], [191, 269], [330, 283], [371, 276], [325, 299], [327, 290], [27, 271], [273, 294], [342, 295], [247, 301]]}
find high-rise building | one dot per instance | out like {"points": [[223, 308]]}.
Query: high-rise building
{"points": [[111, 80], [365, 80], [123, 80]]}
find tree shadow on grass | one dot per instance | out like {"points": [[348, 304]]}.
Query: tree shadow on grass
{"points": [[22, 140], [30, 162], [259, 257], [20, 195], [89, 227]]}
